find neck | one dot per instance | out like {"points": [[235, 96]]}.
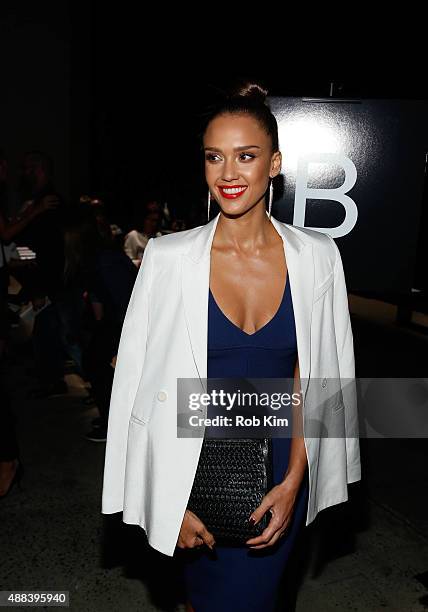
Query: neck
{"points": [[247, 232]]}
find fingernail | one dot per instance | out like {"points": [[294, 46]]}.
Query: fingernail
{"points": [[252, 520]]}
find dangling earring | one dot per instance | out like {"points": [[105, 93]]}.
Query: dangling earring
{"points": [[270, 196], [209, 202]]}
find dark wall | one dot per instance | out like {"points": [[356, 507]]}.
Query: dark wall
{"points": [[35, 47]]}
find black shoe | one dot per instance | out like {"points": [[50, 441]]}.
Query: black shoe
{"points": [[98, 434]]}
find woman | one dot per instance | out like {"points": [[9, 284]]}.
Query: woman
{"points": [[136, 240], [244, 295]]}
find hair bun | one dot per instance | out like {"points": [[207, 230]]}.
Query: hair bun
{"points": [[251, 91]]}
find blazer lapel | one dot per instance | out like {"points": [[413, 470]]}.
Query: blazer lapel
{"points": [[300, 265], [195, 274]]}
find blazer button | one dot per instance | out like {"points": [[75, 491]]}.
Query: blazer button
{"points": [[162, 395], [324, 382]]}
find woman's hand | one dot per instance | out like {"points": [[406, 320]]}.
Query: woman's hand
{"points": [[48, 202], [193, 532], [280, 502]]}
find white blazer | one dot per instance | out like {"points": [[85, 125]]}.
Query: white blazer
{"points": [[149, 471]]}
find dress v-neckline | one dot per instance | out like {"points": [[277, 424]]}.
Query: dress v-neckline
{"points": [[263, 326]]}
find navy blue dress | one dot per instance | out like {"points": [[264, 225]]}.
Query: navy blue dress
{"points": [[236, 578]]}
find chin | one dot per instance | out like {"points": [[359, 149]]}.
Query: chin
{"points": [[233, 211]]}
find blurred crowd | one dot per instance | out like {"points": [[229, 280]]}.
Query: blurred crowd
{"points": [[69, 270]]}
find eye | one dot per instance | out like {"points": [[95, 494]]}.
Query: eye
{"points": [[246, 155], [211, 157]]}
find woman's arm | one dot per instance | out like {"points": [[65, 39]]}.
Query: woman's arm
{"points": [[280, 500], [9, 229], [129, 246]]}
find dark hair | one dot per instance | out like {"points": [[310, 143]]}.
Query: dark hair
{"points": [[246, 97]]}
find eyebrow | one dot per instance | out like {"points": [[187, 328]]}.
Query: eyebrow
{"points": [[235, 149]]}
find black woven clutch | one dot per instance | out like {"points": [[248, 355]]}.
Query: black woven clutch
{"points": [[232, 477]]}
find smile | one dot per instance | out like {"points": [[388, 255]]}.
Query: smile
{"points": [[232, 193]]}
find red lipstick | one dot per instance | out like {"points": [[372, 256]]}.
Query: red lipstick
{"points": [[231, 192]]}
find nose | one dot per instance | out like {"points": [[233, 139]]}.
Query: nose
{"points": [[229, 171]]}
